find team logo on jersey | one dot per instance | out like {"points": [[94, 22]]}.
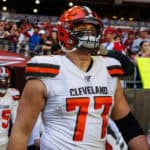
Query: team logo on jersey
{"points": [[87, 78]]}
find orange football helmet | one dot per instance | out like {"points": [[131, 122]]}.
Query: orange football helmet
{"points": [[71, 40]]}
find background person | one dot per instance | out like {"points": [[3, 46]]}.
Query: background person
{"points": [[143, 36], [144, 49], [45, 43], [8, 105]]}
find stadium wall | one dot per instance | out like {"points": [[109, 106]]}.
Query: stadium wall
{"points": [[139, 101]]}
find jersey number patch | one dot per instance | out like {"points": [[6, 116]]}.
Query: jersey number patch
{"points": [[83, 105], [5, 118]]}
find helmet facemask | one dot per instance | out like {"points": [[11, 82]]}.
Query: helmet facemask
{"points": [[87, 39], [4, 83], [4, 80]]}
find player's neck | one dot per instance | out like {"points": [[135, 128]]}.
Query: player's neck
{"points": [[82, 61]]}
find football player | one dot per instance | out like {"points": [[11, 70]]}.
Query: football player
{"points": [[8, 105], [77, 92]]}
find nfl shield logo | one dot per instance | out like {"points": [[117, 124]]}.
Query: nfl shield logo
{"points": [[87, 78]]}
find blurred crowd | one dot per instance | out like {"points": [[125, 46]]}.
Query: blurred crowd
{"points": [[41, 39], [27, 39]]}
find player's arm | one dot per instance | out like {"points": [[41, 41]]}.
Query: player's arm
{"points": [[126, 122], [31, 104]]}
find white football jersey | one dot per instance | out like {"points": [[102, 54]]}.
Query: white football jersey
{"points": [[8, 110], [78, 103]]}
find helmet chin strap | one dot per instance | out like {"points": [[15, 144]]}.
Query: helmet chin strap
{"points": [[68, 50]]}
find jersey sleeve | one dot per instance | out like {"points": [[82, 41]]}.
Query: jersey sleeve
{"points": [[114, 67], [40, 66]]}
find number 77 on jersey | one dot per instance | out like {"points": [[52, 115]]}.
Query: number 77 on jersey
{"points": [[83, 104]]}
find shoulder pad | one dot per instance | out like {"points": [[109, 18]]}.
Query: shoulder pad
{"points": [[114, 67], [39, 68]]}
